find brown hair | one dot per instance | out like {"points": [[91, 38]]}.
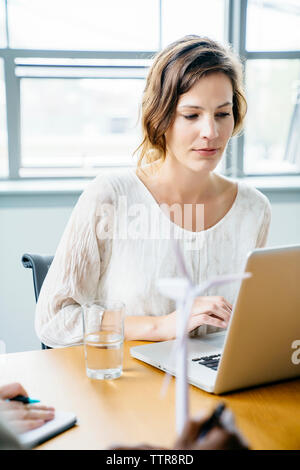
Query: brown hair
{"points": [[174, 71]]}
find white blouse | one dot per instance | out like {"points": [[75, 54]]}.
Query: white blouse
{"points": [[116, 245]]}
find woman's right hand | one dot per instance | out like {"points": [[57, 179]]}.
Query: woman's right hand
{"points": [[206, 310]]}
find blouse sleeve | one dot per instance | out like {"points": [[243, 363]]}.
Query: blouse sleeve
{"points": [[265, 226], [74, 274]]}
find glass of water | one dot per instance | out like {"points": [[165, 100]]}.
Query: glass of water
{"points": [[103, 336]]}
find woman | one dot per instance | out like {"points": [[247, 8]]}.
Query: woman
{"points": [[117, 242]]}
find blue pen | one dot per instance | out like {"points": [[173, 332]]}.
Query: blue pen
{"points": [[23, 399]]}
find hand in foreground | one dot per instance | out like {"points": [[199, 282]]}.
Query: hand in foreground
{"points": [[222, 436], [21, 417]]}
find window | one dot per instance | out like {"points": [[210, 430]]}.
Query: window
{"points": [[69, 121], [76, 72], [72, 75], [84, 24], [3, 128], [273, 25], [272, 86], [271, 92], [205, 18], [2, 25]]}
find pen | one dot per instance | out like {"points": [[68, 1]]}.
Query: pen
{"points": [[212, 421], [23, 399]]}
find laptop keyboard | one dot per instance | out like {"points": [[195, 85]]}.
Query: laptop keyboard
{"points": [[209, 361]]}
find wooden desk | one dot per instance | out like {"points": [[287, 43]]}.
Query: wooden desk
{"points": [[129, 410]]}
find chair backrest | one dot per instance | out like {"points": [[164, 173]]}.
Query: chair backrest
{"points": [[39, 265]]}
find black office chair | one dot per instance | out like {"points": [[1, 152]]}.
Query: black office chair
{"points": [[39, 265]]}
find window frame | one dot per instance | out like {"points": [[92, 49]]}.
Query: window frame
{"points": [[13, 98], [235, 34]]}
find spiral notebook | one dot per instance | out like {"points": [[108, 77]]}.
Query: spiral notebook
{"points": [[63, 420]]}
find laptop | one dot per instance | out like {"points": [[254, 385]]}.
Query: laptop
{"points": [[262, 342]]}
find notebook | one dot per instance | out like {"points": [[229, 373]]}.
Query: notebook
{"points": [[63, 420]]}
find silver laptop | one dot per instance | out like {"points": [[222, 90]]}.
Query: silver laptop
{"points": [[262, 341]]}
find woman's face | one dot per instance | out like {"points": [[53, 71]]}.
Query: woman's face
{"points": [[203, 120]]}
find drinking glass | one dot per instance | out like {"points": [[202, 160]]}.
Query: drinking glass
{"points": [[103, 337]]}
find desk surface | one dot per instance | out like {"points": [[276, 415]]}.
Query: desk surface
{"points": [[129, 410]]}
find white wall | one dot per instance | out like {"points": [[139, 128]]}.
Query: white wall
{"points": [[31, 230], [38, 230]]}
